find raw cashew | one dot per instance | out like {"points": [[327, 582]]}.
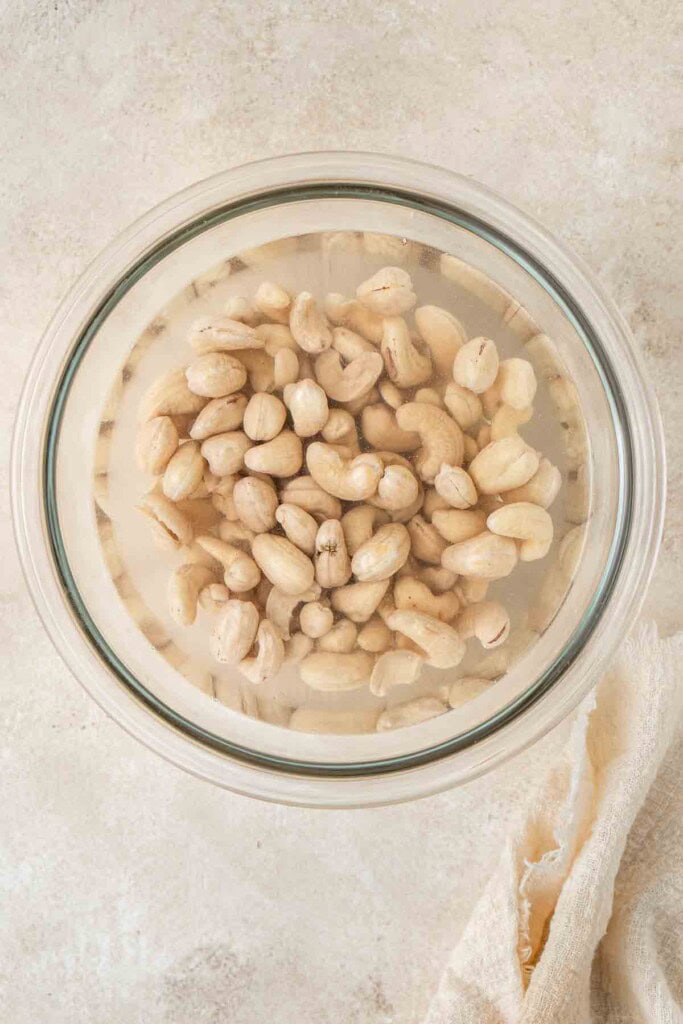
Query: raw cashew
{"points": [[264, 417], [374, 637], [348, 479], [355, 316], [394, 668], [184, 472], [350, 345], [223, 335], [280, 608], [183, 590], [526, 522], [238, 307], [156, 442], [486, 556], [389, 292], [332, 563], [427, 543], [517, 383], [241, 572], [383, 555], [273, 301], [441, 437], [255, 503], [299, 526], [281, 457], [471, 590], [569, 551], [456, 486], [503, 465], [307, 404], [270, 654], [315, 619], [259, 367], [332, 672], [438, 579], [483, 436], [541, 489], [442, 644], [411, 593], [347, 383], [225, 452], [381, 430], [341, 638], [171, 528], [287, 568], [169, 396], [215, 375], [356, 407], [359, 601], [285, 368], [471, 449], [221, 496], [411, 713], [341, 429], [432, 503], [456, 525], [359, 524], [297, 648], [397, 489], [406, 365], [465, 689], [390, 394], [276, 337], [309, 325], [428, 396], [463, 405], [443, 333], [219, 416], [213, 596], [476, 365], [507, 419], [488, 621], [305, 492], [491, 400], [234, 631]]}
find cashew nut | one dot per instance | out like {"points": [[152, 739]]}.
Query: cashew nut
{"points": [[503, 465], [441, 437], [390, 394], [307, 403], [332, 672], [264, 417], [223, 335], [541, 489], [219, 416], [234, 631], [270, 654], [398, 489], [285, 368], [238, 307], [315, 619], [443, 333], [359, 524], [240, 570], [299, 526], [359, 601], [297, 648], [471, 590], [465, 689], [427, 543], [213, 596], [169, 396], [348, 479], [287, 568], [183, 590], [355, 316], [255, 504], [341, 429], [350, 345], [383, 554], [411, 593], [374, 637], [438, 579], [488, 621], [432, 503], [280, 608], [156, 442], [476, 365], [347, 383], [486, 556], [225, 452], [394, 668], [411, 713], [455, 524], [526, 522], [507, 419], [281, 457], [428, 396], [332, 563], [183, 472], [406, 365], [309, 325], [341, 638], [389, 292], [215, 375], [442, 644], [381, 430], [171, 528], [517, 383], [305, 492], [463, 405], [456, 486], [273, 301]]}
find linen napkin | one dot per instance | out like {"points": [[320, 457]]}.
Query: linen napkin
{"points": [[582, 921]]}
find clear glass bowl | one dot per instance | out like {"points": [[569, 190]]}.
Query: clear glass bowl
{"points": [[330, 219]]}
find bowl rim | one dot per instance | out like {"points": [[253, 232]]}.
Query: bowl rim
{"points": [[263, 180]]}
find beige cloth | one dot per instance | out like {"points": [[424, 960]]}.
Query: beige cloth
{"points": [[582, 920]]}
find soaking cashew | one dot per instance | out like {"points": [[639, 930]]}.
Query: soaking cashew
{"points": [[486, 556], [305, 492], [347, 383], [171, 528], [332, 563], [307, 404], [455, 524], [476, 365], [441, 437], [183, 472], [390, 394], [381, 430], [341, 638], [315, 619], [442, 333], [299, 526], [281, 457], [280, 608], [397, 489], [156, 442], [517, 383], [297, 647], [241, 572], [223, 335], [273, 301], [389, 292], [309, 325], [438, 579], [225, 452], [341, 429], [234, 631], [170, 396], [442, 644], [285, 368], [238, 307], [503, 465], [333, 672], [527, 523], [411, 593], [541, 489], [380, 557], [406, 365], [183, 590], [507, 419], [456, 486], [213, 596], [215, 375], [270, 654], [465, 689], [255, 504], [411, 713], [463, 405], [264, 417], [394, 668], [359, 601], [287, 568], [488, 621], [374, 637], [428, 396], [350, 345], [219, 416], [427, 543], [355, 316], [348, 479]]}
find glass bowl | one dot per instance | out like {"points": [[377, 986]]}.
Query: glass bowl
{"points": [[325, 221]]}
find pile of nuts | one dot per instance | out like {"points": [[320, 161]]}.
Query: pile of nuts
{"points": [[343, 488]]}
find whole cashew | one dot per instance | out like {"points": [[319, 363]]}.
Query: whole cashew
{"points": [[171, 527], [442, 644], [441, 437], [332, 672], [476, 365], [270, 654], [359, 524], [427, 543], [355, 316], [285, 565], [281, 457], [280, 608], [183, 590], [273, 301], [219, 416], [332, 563], [156, 441], [486, 556], [300, 527], [517, 382], [526, 522], [394, 668], [341, 429], [276, 337], [379, 426], [234, 631], [390, 394], [169, 396], [411, 593], [411, 713], [380, 557], [375, 636], [507, 419], [350, 345], [305, 492], [341, 638], [455, 524], [541, 489], [443, 333], [348, 479], [309, 325], [255, 503], [183, 472], [389, 292], [347, 383], [307, 404], [359, 601], [225, 452], [456, 485], [215, 375], [241, 572], [488, 621], [406, 365], [223, 335], [463, 405], [315, 619], [264, 417], [503, 465]]}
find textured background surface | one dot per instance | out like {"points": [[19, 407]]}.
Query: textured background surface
{"points": [[130, 891]]}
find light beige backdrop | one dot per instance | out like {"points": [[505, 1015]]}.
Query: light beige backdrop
{"points": [[130, 892]]}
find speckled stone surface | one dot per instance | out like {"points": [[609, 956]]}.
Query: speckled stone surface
{"points": [[131, 892]]}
